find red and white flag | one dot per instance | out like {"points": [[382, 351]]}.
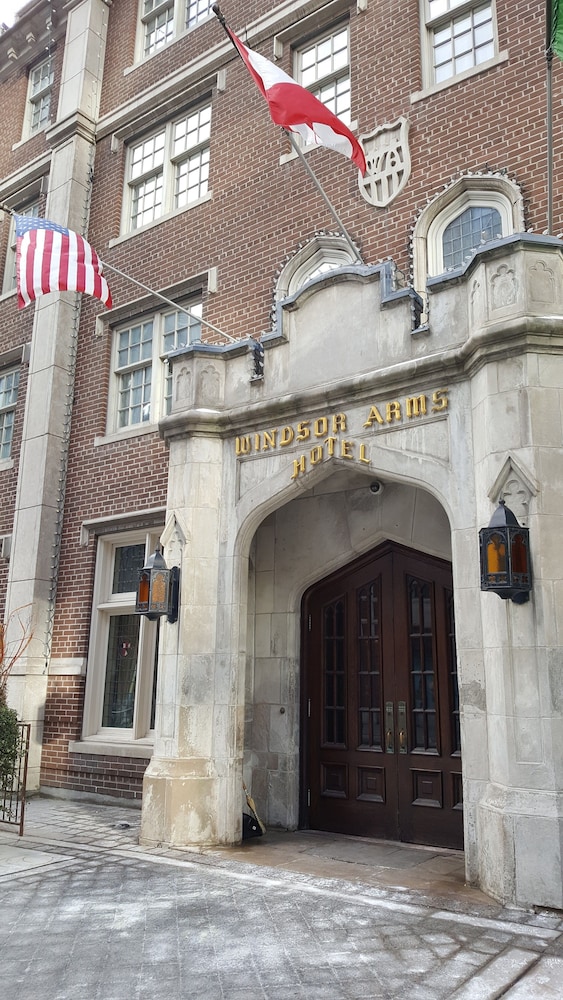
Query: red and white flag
{"points": [[50, 258], [295, 108]]}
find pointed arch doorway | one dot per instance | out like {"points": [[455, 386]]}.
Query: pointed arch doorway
{"points": [[381, 753]]}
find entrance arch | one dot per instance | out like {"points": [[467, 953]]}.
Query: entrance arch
{"points": [[381, 751]]}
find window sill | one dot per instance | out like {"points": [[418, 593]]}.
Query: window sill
{"points": [[6, 463], [126, 434], [162, 218], [103, 748], [436, 88]]}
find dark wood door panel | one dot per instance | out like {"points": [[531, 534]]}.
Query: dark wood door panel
{"points": [[381, 751]]}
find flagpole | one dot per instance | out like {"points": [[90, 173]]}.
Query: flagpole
{"points": [[322, 193], [169, 302], [549, 97], [158, 295], [220, 17]]}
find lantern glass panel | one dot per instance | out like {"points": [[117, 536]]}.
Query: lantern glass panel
{"points": [[496, 556]]}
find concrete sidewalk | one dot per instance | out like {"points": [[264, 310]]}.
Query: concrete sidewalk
{"points": [[85, 913]]}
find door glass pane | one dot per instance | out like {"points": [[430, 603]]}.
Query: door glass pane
{"points": [[129, 559], [121, 671], [369, 684], [422, 666], [334, 713]]}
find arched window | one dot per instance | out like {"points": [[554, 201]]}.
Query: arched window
{"points": [[321, 254], [473, 227], [470, 212]]}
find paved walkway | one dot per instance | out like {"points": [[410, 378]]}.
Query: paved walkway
{"points": [[87, 914]]}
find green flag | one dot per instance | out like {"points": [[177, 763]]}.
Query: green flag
{"points": [[557, 27]]}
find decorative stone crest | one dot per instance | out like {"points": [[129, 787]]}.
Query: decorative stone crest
{"points": [[388, 162]]}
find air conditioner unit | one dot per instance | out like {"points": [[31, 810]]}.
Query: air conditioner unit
{"points": [[5, 546]]}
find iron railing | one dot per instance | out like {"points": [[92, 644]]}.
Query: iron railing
{"points": [[12, 786]]}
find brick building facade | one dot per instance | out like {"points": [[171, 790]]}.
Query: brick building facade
{"points": [[325, 515]]}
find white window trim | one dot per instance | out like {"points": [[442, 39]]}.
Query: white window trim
{"points": [[103, 608], [158, 380], [168, 171], [429, 86], [496, 192], [8, 284], [27, 132], [7, 370], [331, 250], [180, 29], [469, 199]]}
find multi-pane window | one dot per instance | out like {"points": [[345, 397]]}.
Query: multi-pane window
{"points": [[39, 95], [169, 169], [163, 20], [143, 382], [121, 678], [9, 382], [33, 209], [461, 36], [323, 67], [475, 226]]}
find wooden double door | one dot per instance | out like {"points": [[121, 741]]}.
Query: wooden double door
{"points": [[381, 754]]}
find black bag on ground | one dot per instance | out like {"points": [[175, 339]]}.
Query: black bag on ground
{"points": [[250, 827]]}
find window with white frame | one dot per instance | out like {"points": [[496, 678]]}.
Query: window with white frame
{"points": [[9, 382], [323, 67], [460, 37], [39, 96], [466, 215], [9, 283], [472, 228], [122, 662], [142, 382], [169, 169], [320, 256], [164, 20]]}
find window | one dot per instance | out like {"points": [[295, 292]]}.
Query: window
{"points": [[460, 36], [39, 96], [470, 212], [163, 20], [169, 169], [142, 380], [323, 67], [33, 209], [121, 674], [9, 382], [321, 255], [472, 228]]}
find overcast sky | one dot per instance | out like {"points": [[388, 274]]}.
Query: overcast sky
{"points": [[8, 9]]}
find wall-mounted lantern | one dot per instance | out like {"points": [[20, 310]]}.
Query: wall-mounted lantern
{"points": [[158, 589], [505, 557]]}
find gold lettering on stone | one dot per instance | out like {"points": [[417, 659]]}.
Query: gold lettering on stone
{"points": [[440, 400], [393, 411], [374, 416], [415, 405], [269, 439], [286, 436]]}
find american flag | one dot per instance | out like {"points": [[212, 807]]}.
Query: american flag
{"points": [[50, 258]]}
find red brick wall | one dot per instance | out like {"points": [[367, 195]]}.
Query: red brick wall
{"points": [[121, 777]]}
